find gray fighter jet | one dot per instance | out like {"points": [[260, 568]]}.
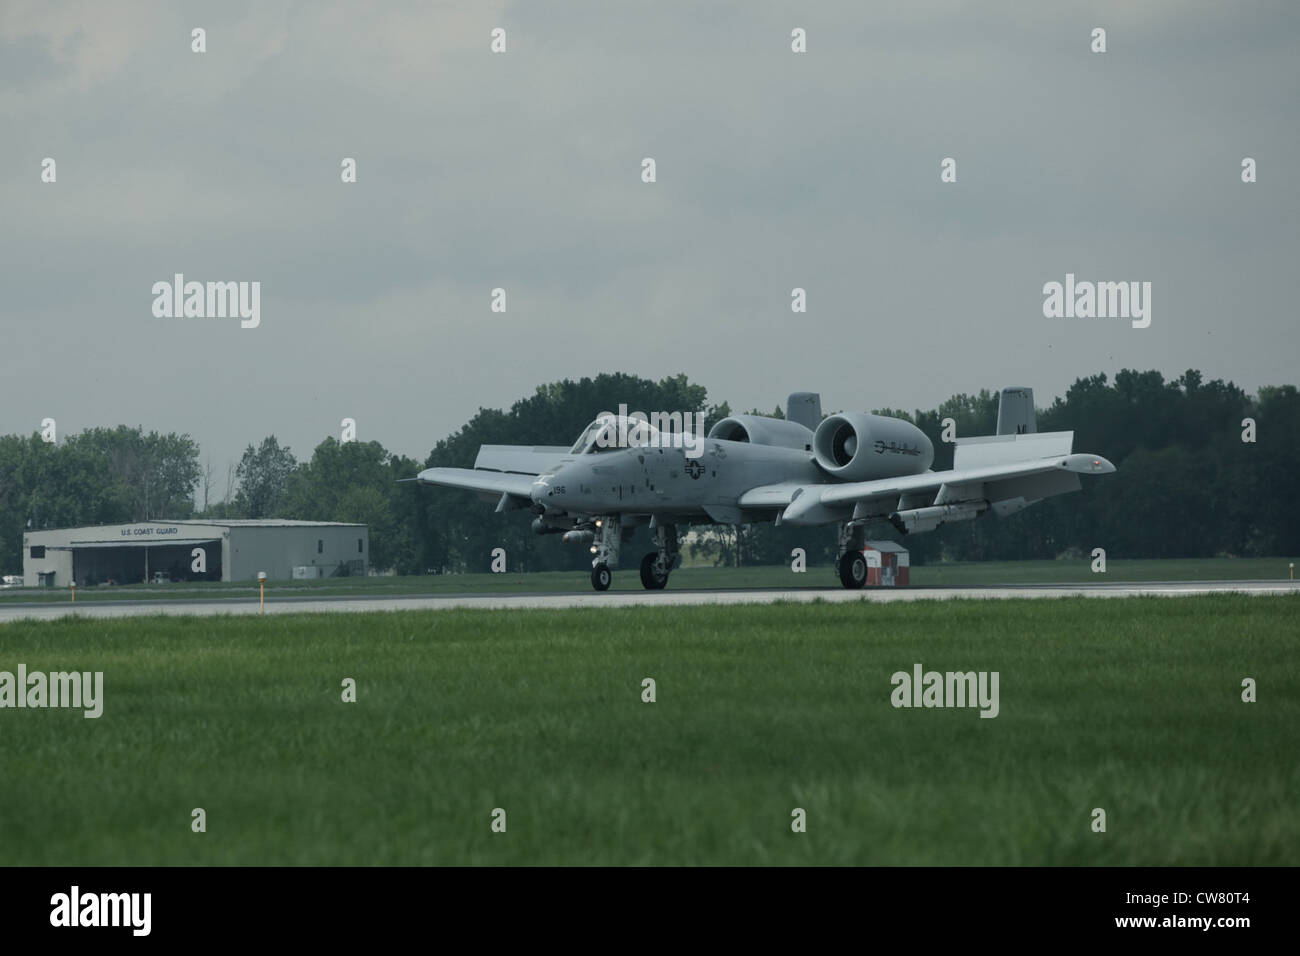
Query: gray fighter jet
{"points": [[848, 469]]}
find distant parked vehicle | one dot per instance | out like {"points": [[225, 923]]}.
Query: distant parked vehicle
{"points": [[162, 577]]}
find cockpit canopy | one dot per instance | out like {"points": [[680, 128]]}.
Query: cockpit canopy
{"points": [[612, 432]]}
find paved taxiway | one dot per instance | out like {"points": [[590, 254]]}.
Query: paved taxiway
{"points": [[310, 605]]}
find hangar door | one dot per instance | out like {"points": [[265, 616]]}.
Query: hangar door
{"points": [[105, 562]]}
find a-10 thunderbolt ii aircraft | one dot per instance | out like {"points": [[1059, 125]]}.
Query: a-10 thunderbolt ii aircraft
{"points": [[848, 469]]}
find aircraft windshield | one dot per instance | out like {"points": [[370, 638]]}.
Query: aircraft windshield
{"points": [[587, 437], [604, 434]]}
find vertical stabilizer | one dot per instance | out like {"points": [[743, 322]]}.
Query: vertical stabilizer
{"points": [[804, 408], [1016, 412]]}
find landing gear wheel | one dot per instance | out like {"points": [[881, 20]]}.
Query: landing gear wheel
{"points": [[853, 569], [651, 578], [601, 576]]}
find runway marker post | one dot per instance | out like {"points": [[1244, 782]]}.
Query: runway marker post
{"points": [[261, 592]]}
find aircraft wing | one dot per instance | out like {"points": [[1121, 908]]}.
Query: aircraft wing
{"points": [[766, 497], [933, 480], [504, 471], [820, 503], [472, 479]]}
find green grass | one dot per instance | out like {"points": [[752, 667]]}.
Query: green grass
{"points": [[965, 574], [1132, 705]]}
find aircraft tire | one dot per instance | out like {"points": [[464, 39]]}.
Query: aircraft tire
{"points": [[649, 580], [853, 570], [601, 577]]}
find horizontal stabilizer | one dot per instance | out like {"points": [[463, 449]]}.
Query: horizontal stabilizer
{"points": [[1009, 449]]}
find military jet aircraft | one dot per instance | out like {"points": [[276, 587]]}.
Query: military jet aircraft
{"points": [[848, 469]]}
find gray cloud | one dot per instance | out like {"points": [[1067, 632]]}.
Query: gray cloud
{"points": [[522, 171]]}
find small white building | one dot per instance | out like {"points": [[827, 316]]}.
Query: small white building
{"points": [[888, 564], [194, 550]]}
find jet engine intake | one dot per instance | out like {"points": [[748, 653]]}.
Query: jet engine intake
{"points": [[760, 430], [855, 446]]}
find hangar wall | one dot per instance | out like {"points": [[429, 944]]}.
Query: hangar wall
{"points": [[235, 550], [278, 549]]}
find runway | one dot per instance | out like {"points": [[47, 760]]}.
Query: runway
{"points": [[592, 599]]}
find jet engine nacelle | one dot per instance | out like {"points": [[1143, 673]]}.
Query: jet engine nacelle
{"points": [[856, 446], [759, 430]]}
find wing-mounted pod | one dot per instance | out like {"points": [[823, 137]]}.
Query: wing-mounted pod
{"points": [[855, 446], [760, 430]]}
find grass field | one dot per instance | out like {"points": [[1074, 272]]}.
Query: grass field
{"points": [[1131, 705], [966, 574]]}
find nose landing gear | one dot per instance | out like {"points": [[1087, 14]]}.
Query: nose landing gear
{"points": [[609, 535]]}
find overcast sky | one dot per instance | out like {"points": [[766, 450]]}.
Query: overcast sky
{"points": [[523, 171]]}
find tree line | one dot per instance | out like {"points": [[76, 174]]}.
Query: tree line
{"points": [[1203, 469]]}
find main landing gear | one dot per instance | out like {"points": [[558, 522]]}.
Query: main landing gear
{"points": [[655, 566], [850, 562], [853, 570]]}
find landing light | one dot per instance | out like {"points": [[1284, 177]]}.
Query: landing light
{"points": [[593, 549], [599, 523]]}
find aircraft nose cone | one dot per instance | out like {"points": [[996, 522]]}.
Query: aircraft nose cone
{"points": [[539, 490]]}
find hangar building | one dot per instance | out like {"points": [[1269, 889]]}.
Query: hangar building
{"points": [[232, 550]]}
